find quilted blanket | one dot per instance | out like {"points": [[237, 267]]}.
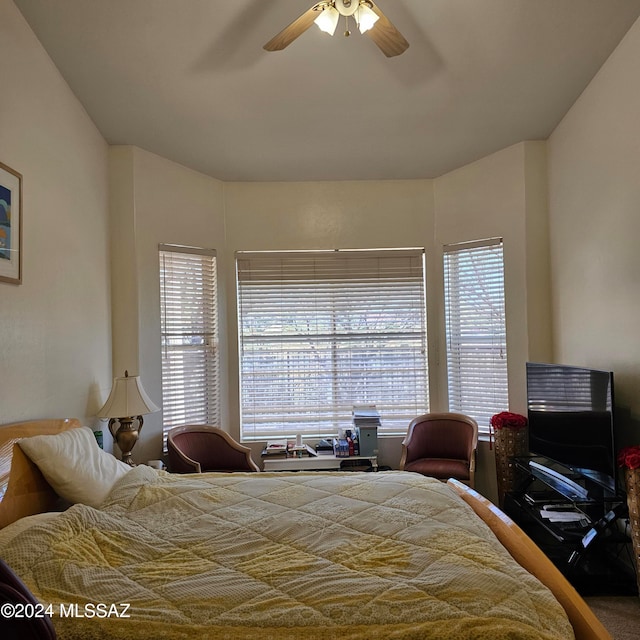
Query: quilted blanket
{"points": [[281, 556]]}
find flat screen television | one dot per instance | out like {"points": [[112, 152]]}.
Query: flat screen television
{"points": [[570, 412]]}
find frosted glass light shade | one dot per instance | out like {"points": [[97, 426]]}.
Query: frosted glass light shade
{"points": [[327, 21], [366, 18]]}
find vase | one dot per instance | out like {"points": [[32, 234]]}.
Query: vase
{"points": [[509, 443], [632, 480]]}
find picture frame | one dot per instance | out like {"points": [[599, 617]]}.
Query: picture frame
{"points": [[10, 225]]}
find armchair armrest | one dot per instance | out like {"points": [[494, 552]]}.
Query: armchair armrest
{"points": [[181, 463]]}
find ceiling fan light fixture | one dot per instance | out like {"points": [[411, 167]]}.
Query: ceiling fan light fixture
{"points": [[326, 14], [366, 18], [327, 21]]}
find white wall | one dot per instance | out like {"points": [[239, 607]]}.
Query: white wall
{"points": [[594, 186], [55, 328]]}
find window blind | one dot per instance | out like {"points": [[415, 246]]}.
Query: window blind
{"points": [[189, 331], [322, 331], [476, 330]]}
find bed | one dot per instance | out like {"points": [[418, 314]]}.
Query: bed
{"points": [[270, 555]]}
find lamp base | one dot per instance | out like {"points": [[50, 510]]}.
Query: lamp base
{"points": [[125, 434]]}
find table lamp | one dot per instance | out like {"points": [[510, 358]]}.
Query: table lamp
{"points": [[125, 406]]}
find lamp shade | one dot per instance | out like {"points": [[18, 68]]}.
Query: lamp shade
{"points": [[327, 21], [366, 18], [127, 398]]}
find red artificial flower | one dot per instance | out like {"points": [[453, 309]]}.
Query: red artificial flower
{"points": [[508, 420], [629, 457]]}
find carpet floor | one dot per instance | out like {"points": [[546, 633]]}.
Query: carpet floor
{"points": [[619, 614]]}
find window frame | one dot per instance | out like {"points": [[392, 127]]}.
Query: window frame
{"points": [[254, 427], [195, 338]]}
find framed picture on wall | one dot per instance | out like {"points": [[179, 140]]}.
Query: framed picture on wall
{"points": [[10, 225]]}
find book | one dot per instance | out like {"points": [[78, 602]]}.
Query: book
{"points": [[274, 453], [276, 445], [365, 415], [275, 448]]}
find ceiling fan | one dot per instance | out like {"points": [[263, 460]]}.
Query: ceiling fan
{"points": [[326, 14]]}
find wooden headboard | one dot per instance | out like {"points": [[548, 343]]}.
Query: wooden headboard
{"points": [[23, 489]]}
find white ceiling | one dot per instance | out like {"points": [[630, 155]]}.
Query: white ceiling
{"points": [[189, 80]]}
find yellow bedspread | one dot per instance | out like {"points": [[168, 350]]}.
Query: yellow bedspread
{"points": [[282, 556]]}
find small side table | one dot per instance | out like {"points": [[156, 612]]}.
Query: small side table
{"points": [[313, 463]]}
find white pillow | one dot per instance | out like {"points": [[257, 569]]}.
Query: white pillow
{"points": [[74, 465]]}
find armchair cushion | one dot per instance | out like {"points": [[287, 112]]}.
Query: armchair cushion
{"points": [[440, 468]]}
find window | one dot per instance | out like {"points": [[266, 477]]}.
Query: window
{"points": [[475, 329], [189, 329], [322, 331]]}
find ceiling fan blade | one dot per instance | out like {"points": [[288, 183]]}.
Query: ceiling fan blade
{"points": [[290, 33], [389, 40]]}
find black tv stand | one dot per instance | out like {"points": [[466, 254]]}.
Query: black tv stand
{"points": [[578, 523]]}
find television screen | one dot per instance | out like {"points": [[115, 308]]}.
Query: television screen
{"points": [[570, 411]]}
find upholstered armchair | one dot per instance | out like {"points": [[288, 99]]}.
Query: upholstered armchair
{"points": [[200, 448], [441, 445]]}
